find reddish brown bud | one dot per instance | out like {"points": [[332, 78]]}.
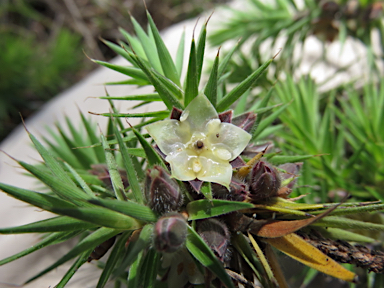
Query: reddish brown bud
{"points": [[101, 249], [245, 121], [101, 171], [170, 233], [226, 116], [216, 235], [292, 171], [237, 191], [162, 192], [264, 181]]}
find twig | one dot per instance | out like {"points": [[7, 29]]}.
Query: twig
{"points": [[83, 29], [344, 252]]}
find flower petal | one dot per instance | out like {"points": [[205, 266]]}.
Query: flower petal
{"points": [[214, 169], [181, 167], [170, 135], [198, 113], [226, 136]]}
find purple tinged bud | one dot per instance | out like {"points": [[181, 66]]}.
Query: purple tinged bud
{"points": [[292, 170], [176, 113], [162, 192], [237, 191], [226, 116], [264, 181], [215, 233], [252, 150], [170, 233], [101, 171], [245, 121]]}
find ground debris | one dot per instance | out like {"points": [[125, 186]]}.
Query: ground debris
{"points": [[344, 252]]}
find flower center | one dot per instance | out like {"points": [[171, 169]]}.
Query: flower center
{"points": [[199, 144], [196, 165]]}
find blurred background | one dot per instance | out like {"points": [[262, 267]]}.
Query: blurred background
{"points": [[43, 42]]}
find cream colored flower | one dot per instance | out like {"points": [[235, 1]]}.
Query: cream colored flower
{"points": [[199, 145]]}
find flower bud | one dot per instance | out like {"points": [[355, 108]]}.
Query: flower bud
{"points": [[264, 181], [101, 249], [162, 192], [101, 171], [292, 171], [216, 235], [170, 233], [245, 121], [237, 191]]}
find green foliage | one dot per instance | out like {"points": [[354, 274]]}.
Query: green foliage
{"points": [[113, 187], [29, 75], [270, 26]]}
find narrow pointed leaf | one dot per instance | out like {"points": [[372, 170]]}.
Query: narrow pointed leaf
{"points": [[50, 161], [134, 271], [149, 47], [206, 189], [117, 182], [129, 208], [278, 228], [275, 266], [166, 61], [211, 88], [144, 97], [268, 121], [200, 51], [180, 55], [345, 235], [242, 245], [73, 269], [138, 115], [151, 263], [171, 86], [133, 72], [341, 222], [51, 239], [37, 199], [200, 250], [152, 156], [284, 203], [135, 248], [267, 268], [94, 139], [55, 224], [80, 181], [129, 168], [134, 43], [223, 64], [166, 95], [76, 133], [241, 88], [282, 159], [358, 208], [115, 255], [300, 250], [118, 50], [201, 209], [61, 188], [92, 240], [83, 156], [62, 151], [101, 216]]}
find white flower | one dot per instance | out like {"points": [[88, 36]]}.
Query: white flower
{"points": [[199, 145]]}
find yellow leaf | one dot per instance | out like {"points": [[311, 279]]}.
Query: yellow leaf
{"points": [[243, 171], [300, 250], [275, 266], [262, 259]]}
